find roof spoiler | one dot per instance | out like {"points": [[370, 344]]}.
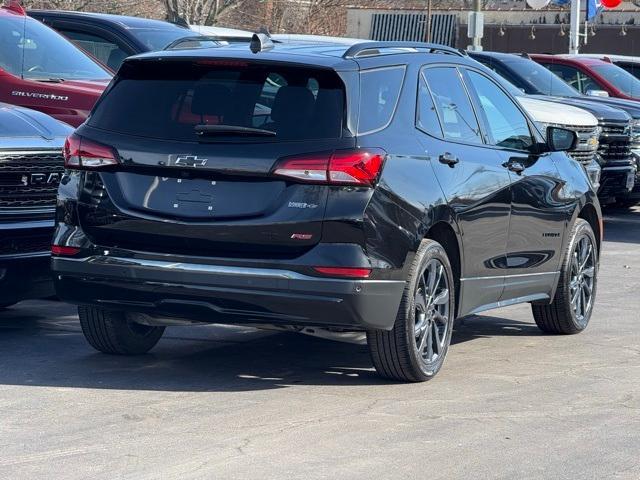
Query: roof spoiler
{"points": [[15, 6]]}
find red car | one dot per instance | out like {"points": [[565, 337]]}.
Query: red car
{"points": [[592, 76], [41, 70]]}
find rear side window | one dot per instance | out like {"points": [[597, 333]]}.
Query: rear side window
{"points": [[379, 94], [427, 117], [454, 108], [169, 100]]}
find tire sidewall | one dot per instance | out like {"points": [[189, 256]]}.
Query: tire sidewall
{"points": [[428, 250], [581, 229]]}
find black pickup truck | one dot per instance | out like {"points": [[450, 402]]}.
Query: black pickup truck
{"points": [[31, 165]]}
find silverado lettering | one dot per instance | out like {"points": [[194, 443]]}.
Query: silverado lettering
{"points": [[45, 96]]}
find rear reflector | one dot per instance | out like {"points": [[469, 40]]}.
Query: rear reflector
{"points": [[360, 167], [64, 251], [80, 153], [348, 272]]}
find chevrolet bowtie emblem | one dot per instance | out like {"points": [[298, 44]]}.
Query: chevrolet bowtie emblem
{"points": [[187, 161]]}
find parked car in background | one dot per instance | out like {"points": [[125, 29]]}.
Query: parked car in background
{"points": [[112, 38], [390, 189], [42, 70], [31, 166], [619, 143], [629, 63], [592, 76]]}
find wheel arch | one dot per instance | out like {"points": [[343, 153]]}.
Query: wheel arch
{"points": [[592, 215], [447, 235]]}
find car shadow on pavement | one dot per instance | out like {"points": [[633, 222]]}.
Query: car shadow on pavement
{"points": [[38, 350]]}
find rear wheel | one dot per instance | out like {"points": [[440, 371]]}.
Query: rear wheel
{"points": [[117, 332], [415, 349], [572, 305]]}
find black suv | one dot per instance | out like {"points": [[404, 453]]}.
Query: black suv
{"points": [[379, 187], [31, 166]]}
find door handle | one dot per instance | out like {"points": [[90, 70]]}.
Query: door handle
{"points": [[515, 167], [448, 159]]}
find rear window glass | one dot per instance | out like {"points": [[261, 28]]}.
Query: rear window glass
{"points": [[379, 93], [171, 101]]}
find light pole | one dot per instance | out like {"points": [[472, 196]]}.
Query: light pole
{"points": [[574, 27], [475, 26], [428, 20]]}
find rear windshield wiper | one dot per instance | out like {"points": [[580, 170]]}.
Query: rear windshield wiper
{"points": [[212, 130]]}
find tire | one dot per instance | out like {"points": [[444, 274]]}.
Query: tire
{"points": [[422, 319], [578, 282], [117, 333]]}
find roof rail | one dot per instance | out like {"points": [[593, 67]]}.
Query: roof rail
{"points": [[374, 48]]}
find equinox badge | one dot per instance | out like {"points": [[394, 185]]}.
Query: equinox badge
{"points": [[187, 161]]}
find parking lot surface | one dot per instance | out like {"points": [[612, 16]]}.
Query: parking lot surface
{"points": [[225, 402]]}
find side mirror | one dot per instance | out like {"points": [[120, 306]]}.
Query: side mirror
{"points": [[597, 93], [561, 139]]}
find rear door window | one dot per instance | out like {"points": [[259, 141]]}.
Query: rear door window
{"points": [[168, 100], [379, 93], [452, 103]]}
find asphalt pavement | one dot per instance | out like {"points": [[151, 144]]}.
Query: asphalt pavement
{"points": [[216, 402]]}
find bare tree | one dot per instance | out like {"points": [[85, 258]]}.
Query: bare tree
{"points": [[147, 8], [199, 12]]}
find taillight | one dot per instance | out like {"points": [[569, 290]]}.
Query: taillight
{"points": [[342, 167], [347, 272], [64, 251], [80, 153]]}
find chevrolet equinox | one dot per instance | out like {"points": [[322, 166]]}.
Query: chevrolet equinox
{"points": [[388, 188]]}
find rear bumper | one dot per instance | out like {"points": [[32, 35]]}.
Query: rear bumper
{"points": [[226, 294]]}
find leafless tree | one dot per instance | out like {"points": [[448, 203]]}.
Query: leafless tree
{"points": [[199, 12], [147, 8]]}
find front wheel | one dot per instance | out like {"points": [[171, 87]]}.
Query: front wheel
{"points": [[573, 303], [117, 333], [415, 349]]}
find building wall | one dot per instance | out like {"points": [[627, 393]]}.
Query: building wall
{"points": [[511, 30]]}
